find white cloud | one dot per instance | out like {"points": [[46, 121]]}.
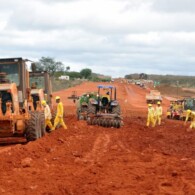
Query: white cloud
{"points": [[116, 36], [174, 5]]}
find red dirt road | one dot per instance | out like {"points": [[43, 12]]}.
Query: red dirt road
{"points": [[97, 160]]}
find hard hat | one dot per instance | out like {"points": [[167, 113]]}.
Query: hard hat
{"points": [[149, 105], [43, 102], [158, 103], [57, 97], [188, 111]]}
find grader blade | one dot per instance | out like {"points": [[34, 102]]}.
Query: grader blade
{"points": [[6, 128], [12, 140]]}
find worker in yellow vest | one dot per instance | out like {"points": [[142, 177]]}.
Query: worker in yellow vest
{"points": [[190, 115], [151, 116], [47, 113], [158, 113], [59, 115]]}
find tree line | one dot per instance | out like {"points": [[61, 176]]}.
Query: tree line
{"points": [[57, 68], [173, 80]]}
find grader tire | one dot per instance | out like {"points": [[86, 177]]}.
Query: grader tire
{"points": [[33, 127], [42, 123]]}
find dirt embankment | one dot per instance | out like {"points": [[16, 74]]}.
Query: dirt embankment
{"points": [[96, 160], [176, 92]]}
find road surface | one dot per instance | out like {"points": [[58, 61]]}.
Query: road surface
{"points": [[96, 160]]}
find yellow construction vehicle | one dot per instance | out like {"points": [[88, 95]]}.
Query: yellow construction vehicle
{"points": [[20, 114], [188, 104]]}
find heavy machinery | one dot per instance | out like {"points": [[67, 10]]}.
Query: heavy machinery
{"points": [[41, 87], [74, 96], [19, 117], [153, 97], [175, 110], [82, 104], [188, 104], [105, 109]]}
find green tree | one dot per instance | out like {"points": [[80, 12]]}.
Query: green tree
{"points": [[128, 76], [143, 76], [86, 73], [50, 65], [73, 74]]}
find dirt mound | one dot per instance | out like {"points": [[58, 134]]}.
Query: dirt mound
{"points": [[96, 160]]}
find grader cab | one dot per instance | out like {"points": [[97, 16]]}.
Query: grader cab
{"points": [[41, 88], [18, 114]]}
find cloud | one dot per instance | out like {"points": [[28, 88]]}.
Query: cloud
{"points": [[186, 6], [114, 36]]}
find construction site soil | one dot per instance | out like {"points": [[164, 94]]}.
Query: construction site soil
{"points": [[97, 160]]}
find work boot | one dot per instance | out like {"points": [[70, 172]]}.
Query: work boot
{"points": [[51, 130]]}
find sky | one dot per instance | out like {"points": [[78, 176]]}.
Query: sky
{"points": [[111, 37]]}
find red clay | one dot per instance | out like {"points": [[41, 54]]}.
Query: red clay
{"points": [[96, 160]]}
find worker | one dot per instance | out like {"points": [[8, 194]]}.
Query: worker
{"points": [[158, 113], [60, 113], [190, 115], [151, 116], [108, 95], [48, 116]]}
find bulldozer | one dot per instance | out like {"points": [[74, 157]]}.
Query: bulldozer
{"points": [[20, 114], [105, 109]]}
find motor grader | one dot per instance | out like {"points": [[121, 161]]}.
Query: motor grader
{"points": [[19, 116], [105, 109]]}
